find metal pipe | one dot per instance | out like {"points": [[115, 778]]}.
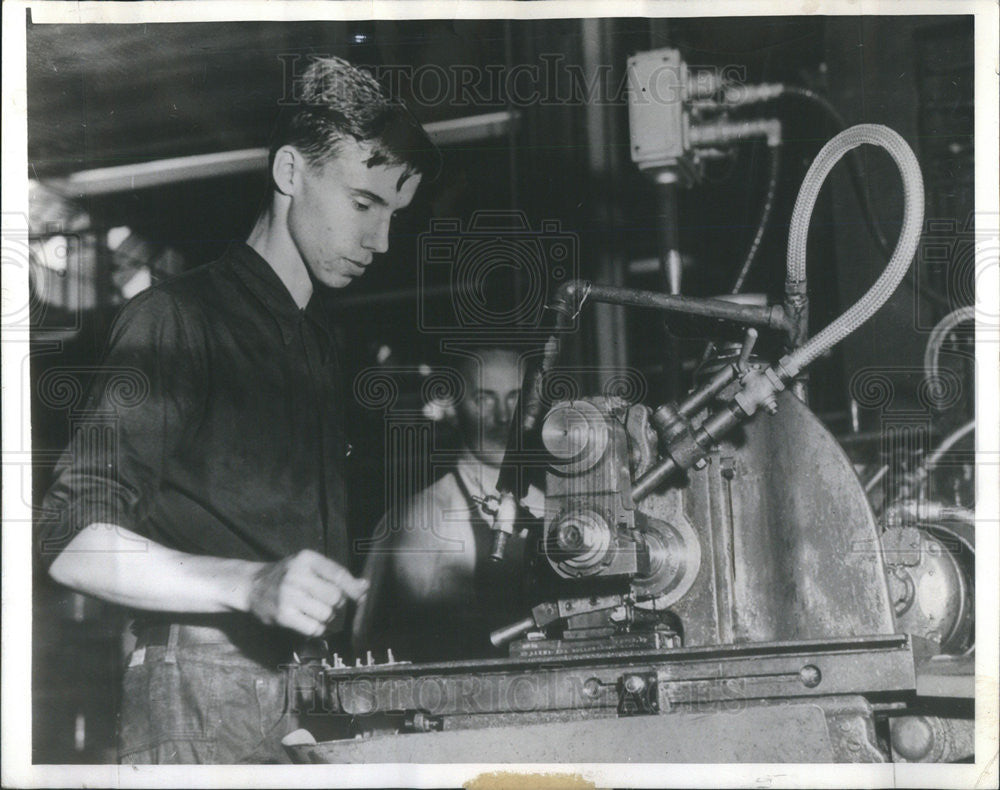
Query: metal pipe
{"points": [[670, 251], [949, 441], [726, 132], [670, 274], [567, 303], [707, 434], [772, 317], [704, 394], [645, 484], [915, 510], [938, 335], [870, 485]]}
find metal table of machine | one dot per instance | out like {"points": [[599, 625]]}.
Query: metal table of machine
{"points": [[780, 701]]}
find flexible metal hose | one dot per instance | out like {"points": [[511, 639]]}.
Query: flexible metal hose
{"points": [[854, 165], [938, 335], [906, 247], [749, 94], [854, 170]]}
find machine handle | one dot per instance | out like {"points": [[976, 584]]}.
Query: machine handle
{"points": [[503, 635]]}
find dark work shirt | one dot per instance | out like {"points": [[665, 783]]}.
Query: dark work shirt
{"points": [[214, 425]]}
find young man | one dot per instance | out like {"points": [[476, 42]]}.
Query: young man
{"points": [[434, 592], [217, 509]]}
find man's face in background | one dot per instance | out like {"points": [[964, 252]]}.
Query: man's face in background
{"points": [[492, 386]]}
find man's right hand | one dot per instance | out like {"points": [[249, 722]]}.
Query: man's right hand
{"points": [[303, 592]]}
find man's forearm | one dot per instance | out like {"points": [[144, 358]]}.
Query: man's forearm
{"points": [[117, 565]]}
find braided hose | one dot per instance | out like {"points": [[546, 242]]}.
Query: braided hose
{"points": [[938, 335], [906, 247]]}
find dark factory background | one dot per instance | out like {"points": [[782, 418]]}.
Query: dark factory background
{"points": [[142, 99]]}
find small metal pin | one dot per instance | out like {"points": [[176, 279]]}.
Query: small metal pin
{"points": [[390, 658], [370, 659]]}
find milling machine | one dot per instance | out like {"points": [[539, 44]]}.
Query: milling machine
{"points": [[712, 583]]}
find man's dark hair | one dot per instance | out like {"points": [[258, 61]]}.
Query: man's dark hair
{"points": [[335, 100]]}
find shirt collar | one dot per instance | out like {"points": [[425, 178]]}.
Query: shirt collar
{"points": [[256, 273], [480, 479]]}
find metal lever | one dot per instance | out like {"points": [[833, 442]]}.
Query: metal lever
{"points": [[511, 632], [503, 525], [499, 546], [747, 349]]}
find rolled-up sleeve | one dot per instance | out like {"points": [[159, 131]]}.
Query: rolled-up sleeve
{"points": [[142, 400]]}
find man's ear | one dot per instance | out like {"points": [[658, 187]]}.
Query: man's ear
{"points": [[287, 170]]}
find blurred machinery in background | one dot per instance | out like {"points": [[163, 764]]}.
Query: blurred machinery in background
{"points": [[711, 580]]}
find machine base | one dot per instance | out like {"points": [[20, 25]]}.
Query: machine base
{"points": [[823, 730]]}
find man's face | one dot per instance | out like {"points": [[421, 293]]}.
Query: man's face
{"points": [[339, 217], [484, 413]]}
